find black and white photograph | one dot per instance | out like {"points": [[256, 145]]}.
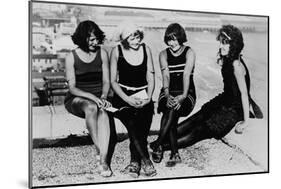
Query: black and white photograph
{"points": [[125, 94]]}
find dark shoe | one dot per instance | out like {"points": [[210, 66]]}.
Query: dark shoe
{"points": [[157, 154], [133, 169], [177, 157], [152, 145], [148, 168], [174, 159]]}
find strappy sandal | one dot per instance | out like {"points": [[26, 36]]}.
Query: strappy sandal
{"points": [[104, 170], [157, 154], [148, 168], [174, 159], [177, 157], [133, 169]]}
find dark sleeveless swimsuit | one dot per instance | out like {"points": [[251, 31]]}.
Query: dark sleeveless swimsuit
{"points": [[130, 76], [88, 77], [222, 112]]}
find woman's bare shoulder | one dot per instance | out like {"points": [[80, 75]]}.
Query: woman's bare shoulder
{"points": [[238, 67], [163, 53]]}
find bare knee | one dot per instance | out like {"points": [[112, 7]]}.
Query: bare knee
{"points": [[91, 109]]}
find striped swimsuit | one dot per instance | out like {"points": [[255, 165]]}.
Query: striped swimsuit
{"points": [[176, 65]]}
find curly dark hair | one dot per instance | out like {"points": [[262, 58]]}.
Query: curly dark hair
{"points": [[231, 35], [83, 32], [173, 31]]}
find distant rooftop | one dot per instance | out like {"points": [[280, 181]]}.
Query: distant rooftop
{"points": [[127, 13]]}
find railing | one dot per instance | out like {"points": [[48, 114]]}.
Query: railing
{"points": [[55, 86]]}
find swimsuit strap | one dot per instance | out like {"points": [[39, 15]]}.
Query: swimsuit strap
{"points": [[120, 51]]}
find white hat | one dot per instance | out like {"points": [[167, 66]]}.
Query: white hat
{"points": [[125, 29]]}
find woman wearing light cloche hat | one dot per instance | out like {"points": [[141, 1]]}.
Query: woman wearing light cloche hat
{"points": [[132, 79]]}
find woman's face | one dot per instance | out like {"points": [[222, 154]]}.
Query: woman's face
{"points": [[224, 47], [92, 42], [134, 41], [174, 44]]}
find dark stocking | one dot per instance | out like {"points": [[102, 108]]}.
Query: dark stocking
{"points": [[173, 139], [190, 131], [143, 128], [112, 139], [128, 118], [169, 121]]}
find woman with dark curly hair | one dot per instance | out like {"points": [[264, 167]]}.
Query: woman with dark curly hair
{"points": [[87, 72], [229, 109], [177, 97]]}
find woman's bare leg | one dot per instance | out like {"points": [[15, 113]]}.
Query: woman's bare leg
{"points": [[103, 133], [97, 123], [103, 141], [91, 113]]}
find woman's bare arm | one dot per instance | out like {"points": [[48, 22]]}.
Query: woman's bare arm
{"points": [[105, 74], [189, 65], [165, 71], [114, 74], [70, 76], [239, 72], [150, 73]]}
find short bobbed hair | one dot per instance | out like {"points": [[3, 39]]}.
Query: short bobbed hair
{"points": [[175, 31], [83, 32], [231, 35]]}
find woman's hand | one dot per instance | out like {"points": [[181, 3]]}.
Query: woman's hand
{"points": [[106, 104], [135, 102], [98, 101], [178, 101], [145, 102], [240, 127], [170, 101]]}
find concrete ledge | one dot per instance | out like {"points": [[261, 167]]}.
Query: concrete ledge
{"points": [[253, 142], [55, 127], [53, 122], [74, 140]]}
